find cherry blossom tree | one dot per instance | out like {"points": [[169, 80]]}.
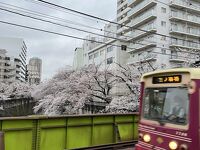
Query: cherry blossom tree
{"points": [[68, 90], [14, 90], [129, 76]]}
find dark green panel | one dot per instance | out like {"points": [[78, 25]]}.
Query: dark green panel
{"points": [[18, 140], [103, 134], [52, 139], [79, 137]]}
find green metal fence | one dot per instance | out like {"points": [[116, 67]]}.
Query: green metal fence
{"points": [[68, 132]]}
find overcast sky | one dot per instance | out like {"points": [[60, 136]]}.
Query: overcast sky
{"points": [[55, 51]]}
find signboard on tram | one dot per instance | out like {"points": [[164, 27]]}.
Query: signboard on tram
{"points": [[167, 79]]}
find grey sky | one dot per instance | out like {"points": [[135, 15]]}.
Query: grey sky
{"points": [[55, 51]]}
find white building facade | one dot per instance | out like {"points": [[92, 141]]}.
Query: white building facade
{"points": [[34, 70], [12, 59], [147, 20], [109, 53]]}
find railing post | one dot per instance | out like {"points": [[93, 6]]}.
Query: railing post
{"points": [[2, 145]]}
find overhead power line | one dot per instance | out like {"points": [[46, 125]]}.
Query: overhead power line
{"points": [[73, 13], [47, 21], [24, 10], [105, 20], [74, 37], [50, 16], [75, 23], [35, 18]]}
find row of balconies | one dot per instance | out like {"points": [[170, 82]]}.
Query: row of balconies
{"points": [[189, 5], [179, 16], [142, 6], [184, 44], [173, 57], [187, 30]]}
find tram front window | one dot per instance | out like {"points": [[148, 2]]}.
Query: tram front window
{"points": [[166, 105]]}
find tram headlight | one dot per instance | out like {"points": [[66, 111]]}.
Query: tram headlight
{"points": [[147, 138], [173, 145]]}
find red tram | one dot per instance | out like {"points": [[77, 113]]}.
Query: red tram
{"points": [[170, 110]]}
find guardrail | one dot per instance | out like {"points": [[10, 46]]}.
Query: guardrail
{"points": [[68, 132]]}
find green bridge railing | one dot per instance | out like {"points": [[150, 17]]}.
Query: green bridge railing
{"points": [[68, 132]]}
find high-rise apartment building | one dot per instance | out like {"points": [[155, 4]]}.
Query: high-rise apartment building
{"points": [[34, 70], [12, 59], [122, 16], [147, 20]]}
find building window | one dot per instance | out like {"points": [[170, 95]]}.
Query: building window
{"points": [[96, 55], [163, 10], [163, 51], [163, 23], [101, 52], [90, 57], [110, 49], [174, 54], [189, 29], [110, 60]]}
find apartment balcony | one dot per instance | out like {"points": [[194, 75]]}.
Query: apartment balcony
{"points": [[194, 33], [184, 44], [183, 4], [137, 34], [124, 20], [184, 18], [144, 45], [122, 29], [123, 12], [177, 58], [131, 3], [146, 17], [144, 58], [141, 7], [121, 5]]}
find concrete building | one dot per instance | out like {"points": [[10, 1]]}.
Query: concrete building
{"points": [[178, 19], [78, 61], [34, 70], [12, 59], [105, 54]]}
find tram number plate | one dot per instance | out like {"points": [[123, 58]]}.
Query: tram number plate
{"points": [[167, 79]]}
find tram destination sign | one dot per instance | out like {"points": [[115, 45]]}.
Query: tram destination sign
{"points": [[167, 79]]}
